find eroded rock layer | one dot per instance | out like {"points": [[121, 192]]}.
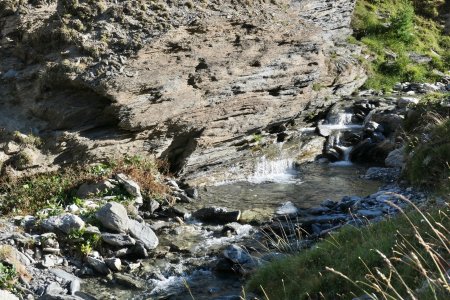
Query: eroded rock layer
{"points": [[187, 82]]}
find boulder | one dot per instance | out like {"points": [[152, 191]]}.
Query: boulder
{"points": [[128, 281], [115, 264], [118, 240], [113, 216], [131, 187], [406, 101], [98, 265], [396, 158], [217, 215], [239, 256], [287, 208], [369, 151], [142, 232], [66, 223], [91, 189]]}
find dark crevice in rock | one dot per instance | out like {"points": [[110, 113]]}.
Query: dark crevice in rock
{"points": [[183, 145]]}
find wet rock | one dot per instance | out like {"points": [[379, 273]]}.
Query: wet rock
{"points": [[65, 223], [143, 233], [256, 216], [324, 130], [217, 215], [287, 208], [128, 281], [347, 202], [371, 151], [239, 256], [329, 204], [192, 193], [131, 187], [115, 264], [319, 210], [179, 210], [98, 265], [113, 216], [391, 122], [118, 240]]}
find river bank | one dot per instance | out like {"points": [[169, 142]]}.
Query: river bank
{"points": [[112, 239]]}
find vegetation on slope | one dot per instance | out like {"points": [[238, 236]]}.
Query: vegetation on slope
{"points": [[428, 131], [55, 190], [405, 257], [405, 43]]}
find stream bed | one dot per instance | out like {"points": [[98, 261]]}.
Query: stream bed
{"points": [[189, 267]]}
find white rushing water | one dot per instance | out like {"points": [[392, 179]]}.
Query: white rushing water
{"points": [[281, 170], [341, 123]]}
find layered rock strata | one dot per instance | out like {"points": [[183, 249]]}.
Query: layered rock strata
{"points": [[190, 83]]}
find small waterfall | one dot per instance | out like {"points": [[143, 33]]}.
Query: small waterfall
{"points": [[339, 123], [277, 170]]}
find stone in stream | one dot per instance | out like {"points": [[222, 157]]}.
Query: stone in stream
{"points": [[218, 215], [143, 233], [287, 208], [256, 216], [128, 281], [119, 240], [113, 216], [241, 257], [192, 193]]}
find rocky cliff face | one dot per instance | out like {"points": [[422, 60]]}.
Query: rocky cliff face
{"points": [[191, 82]]}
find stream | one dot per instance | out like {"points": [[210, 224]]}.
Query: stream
{"points": [[189, 262], [192, 269]]}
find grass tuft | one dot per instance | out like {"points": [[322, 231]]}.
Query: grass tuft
{"points": [[404, 257]]}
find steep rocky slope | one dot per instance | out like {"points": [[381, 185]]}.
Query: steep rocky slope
{"points": [[190, 82]]}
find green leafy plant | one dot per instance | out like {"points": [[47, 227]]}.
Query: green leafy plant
{"points": [[8, 277]]}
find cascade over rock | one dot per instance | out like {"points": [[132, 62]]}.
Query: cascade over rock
{"points": [[190, 86]]}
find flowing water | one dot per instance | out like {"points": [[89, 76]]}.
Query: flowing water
{"points": [[188, 273], [305, 186]]}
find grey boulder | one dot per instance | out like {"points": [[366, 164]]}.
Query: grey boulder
{"points": [[65, 223], [113, 216], [142, 232]]}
